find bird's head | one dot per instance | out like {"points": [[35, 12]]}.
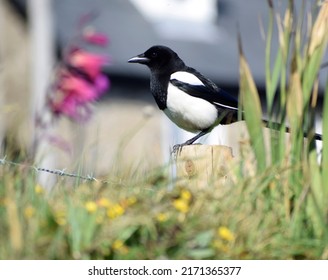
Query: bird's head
{"points": [[159, 59]]}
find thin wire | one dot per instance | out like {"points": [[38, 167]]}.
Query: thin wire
{"points": [[58, 172]]}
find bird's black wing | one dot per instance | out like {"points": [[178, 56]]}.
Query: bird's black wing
{"points": [[209, 92]]}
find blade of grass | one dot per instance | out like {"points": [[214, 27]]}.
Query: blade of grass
{"points": [[295, 117], [270, 89], [316, 49], [13, 220], [280, 72], [316, 203], [295, 99], [324, 163], [252, 109]]}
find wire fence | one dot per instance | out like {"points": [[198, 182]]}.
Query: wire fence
{"points": [[57, 172]]}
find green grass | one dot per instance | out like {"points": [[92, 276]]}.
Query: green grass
{"points": [[133, 218], [274, 205]]}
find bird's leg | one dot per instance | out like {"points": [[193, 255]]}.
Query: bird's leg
{"points": [[178, 147]]}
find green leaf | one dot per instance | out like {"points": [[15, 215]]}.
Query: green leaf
{"points": [[252, 110], [126, 233], [201, 253], [324, 163], [316, 202], [268, 81], [205, 238]]}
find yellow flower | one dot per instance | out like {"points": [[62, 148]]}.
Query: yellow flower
{"points": [[91, 206], [60, 217], [128, 202], [115, 211], [38, 189], [181, 205], [132, 200], [185, 195], [29, 212], [104, 202], [162, 217], [226, 234], [118, 245]]}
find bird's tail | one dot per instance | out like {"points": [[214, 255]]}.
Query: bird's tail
{"points": [[276, 126], [228, 117]]}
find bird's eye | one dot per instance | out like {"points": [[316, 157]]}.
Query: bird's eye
{"points": [[154, 54]]}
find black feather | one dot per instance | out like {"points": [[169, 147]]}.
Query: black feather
{"points": [[217, 97]]}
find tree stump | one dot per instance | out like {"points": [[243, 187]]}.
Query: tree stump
{"points": [[203, 165]]}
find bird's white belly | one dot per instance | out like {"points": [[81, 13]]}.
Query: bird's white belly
{"points": [[190, 113]]}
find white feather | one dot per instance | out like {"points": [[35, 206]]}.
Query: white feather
{"points": [[186, 77], [226, 106], [190, 113]]}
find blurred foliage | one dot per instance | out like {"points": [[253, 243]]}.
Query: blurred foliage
{"points": [[294, 76], [136, 217]]}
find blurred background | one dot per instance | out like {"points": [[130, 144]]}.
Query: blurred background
{"points": [[126, 128]]}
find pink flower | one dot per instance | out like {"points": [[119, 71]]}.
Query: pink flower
{"points": [[74, 93], [87, 62], [95, 38], [67, 106], [79, 80], [80, 89], [71, 108], [102, 83]]}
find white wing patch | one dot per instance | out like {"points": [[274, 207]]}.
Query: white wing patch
{"points": [[191, 79], [187, 78]]}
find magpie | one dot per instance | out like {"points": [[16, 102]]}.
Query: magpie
{"points": [[190, 100]]}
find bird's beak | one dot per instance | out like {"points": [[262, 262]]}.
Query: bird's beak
{"points": [[139, 59]]}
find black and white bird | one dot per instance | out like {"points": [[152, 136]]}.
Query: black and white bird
{"points": [[191, 101]]}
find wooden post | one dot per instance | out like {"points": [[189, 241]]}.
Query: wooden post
{"points": [[203, 165]]}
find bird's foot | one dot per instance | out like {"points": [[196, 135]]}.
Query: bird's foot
{"points": [[178, 148]]}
